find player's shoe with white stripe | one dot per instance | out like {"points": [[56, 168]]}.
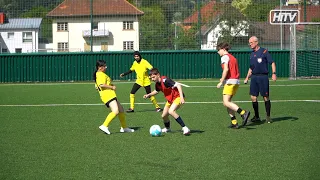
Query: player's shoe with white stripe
{"points": [[122, 130], [165, 130], [104, 129], [186, 130]]}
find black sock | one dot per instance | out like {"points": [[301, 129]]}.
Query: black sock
{"points": [[180, 121], [167, 124], [255, 106], [268, 107], [239, 110]]}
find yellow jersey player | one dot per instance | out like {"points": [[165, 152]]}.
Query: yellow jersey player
{"points": [[141, 67], [109, 98]]}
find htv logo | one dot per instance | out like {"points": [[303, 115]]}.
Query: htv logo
{"points": [[284, 16]]}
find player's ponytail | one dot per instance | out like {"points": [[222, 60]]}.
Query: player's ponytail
{"points": [[99, 63]]}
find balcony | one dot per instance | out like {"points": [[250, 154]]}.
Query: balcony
{"points": [[96, 33]]}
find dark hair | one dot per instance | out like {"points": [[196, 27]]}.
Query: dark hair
{"points": [[154, 71], [137, 53], [224, 46], [99, 63]]}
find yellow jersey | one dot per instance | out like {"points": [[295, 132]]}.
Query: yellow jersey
{"points": [[141, 70], [106, 94]]}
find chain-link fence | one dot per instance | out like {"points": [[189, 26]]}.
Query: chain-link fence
{"points": [[146, 25]]}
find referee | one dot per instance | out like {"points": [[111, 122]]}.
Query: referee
{"points": [[258, 72]]}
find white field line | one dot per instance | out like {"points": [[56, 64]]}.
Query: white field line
{"points": [[100, 104], [183, 84], [276, 85], [118, 82]]}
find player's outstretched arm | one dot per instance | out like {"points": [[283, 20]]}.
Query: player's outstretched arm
{"points": [[108, 86], [150, 94], [126, 73]]}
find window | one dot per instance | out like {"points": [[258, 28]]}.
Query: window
{"points": [[4, 50], [63, 46], [95, 25], [10, 35], [127, 45], [127, 24], [26, 36], [18, 50], [62, 26]]}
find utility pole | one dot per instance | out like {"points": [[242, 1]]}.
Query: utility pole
{"points": [[91, 22]]}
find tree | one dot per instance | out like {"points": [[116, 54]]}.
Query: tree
{"points": [[259, 11], [241, 5], [46, 24], [153, 29]]}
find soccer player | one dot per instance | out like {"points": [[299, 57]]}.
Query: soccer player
{"points": [[141, 67], [109, 98], [175, 98], [258, 71], [230, 80]]}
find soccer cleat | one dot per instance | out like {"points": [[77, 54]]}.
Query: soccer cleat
{"points": [[255, 119], [186, 130], [268, 119], [234, 126], [129, 110], [158, 109], [165, 130], [122, 130], [104, 129], [245, 118]]}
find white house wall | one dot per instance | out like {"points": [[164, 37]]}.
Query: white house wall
{"points": [[213, 35], [16, 42], [114, 25]]}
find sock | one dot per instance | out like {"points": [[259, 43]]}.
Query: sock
{"points": [[167, 124], [154, 101], [132, 101], [180, 121], [234, 120], [255, 106], [109, 118], [240, 111], [268, 107], [122, 119]]}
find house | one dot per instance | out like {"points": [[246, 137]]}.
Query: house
{"points": [[19, 35], [115, 26], [275, 36], [213, 24]]}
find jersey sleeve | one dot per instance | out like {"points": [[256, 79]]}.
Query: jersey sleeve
{"points": [[225, 59], [268, 56], [157, 87], [168, 83], [133, 67], [148, 65]]}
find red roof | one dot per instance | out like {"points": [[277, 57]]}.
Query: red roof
{"points": [[208, 11], [100, 7]]}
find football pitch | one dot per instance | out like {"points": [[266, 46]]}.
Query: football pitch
{"points": [[50, 131]]}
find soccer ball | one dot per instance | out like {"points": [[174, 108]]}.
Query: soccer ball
{"points": [[155, 130]]}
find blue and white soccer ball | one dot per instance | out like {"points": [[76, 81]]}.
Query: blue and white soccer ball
{"points": [[155, 130]]}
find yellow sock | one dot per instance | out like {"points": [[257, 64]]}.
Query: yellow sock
{"points": [[132, 101], [122, 119], [154, 102], [109, 118], [234, 121], [242, 112]]}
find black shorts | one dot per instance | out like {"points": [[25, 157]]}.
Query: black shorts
{"points": [[107, 103], [259, 84]]}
